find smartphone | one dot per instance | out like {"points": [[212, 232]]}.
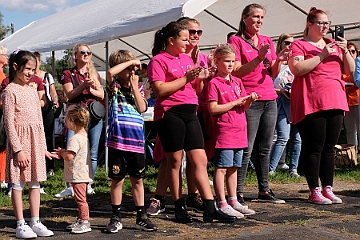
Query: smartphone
{"points": [[339, 32]]}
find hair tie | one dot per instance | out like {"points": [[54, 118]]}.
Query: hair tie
{"points": [[16, 51]]}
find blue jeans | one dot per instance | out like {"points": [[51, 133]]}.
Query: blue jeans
{"points": [[261, 120], [284, 129], [94, 133]]}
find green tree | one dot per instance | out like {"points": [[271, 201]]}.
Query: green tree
{"points": [[60, 65], [3, 29]]}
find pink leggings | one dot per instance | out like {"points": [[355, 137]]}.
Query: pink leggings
{"points": [[80, 199]]}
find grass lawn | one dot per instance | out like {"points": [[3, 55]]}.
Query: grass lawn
{"points": [[55, 184]]}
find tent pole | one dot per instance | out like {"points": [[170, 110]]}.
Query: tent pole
{"points": [[107, 104], [134, 48], [53, 63], [226, 23]]}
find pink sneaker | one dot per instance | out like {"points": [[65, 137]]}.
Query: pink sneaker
{"points": [[317, 198], [328, 193]]}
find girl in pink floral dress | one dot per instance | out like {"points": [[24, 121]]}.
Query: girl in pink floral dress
{"points": [[26, 147]]}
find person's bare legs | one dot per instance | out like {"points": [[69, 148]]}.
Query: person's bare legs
{"points": [[162, 184], [231, 181], [34, 199], [219, 176], [137, 191], [116, 191], [16, 199], [173, 173]]}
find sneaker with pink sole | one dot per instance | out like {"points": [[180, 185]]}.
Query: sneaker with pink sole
{"points": [[328, 193], [317, 197]]}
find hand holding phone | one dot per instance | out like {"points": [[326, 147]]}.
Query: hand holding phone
{"points": [[339, 32]]}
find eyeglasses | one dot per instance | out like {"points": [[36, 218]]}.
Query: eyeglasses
{"points": [[287, 43], [324, 24], [352, 51], [193, 32], [82, 52]]}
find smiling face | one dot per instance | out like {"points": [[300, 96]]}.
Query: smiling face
{"points": [[193, 37], [24, 73], [83, 54], [254, 21], [180, 43]]}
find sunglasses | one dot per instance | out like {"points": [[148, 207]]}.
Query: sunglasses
{"points": [[193, 32], [287, 43], [353, 51], [82, 52]]}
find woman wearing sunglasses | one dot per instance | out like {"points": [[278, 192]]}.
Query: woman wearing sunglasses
{"points": [[351, 118], [256, 63], [82, 85], [318, 101], [284, 128]]}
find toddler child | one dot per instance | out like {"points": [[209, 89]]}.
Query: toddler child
{"points": [[77, 164]]}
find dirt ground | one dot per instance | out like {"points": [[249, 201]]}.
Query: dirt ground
{"points": [[297, 219]]}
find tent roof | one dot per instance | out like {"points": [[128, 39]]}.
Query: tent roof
{"points": [[129, 25]]}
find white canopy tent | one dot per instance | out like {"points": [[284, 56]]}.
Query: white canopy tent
{"points": [[131, 24]]}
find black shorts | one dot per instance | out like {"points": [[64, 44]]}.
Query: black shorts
{"points": [[180, 129], [121, 163]]}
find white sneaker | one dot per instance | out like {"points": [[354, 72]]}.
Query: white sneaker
{"points": [[24, 231], [40, 229], [90, 190], [9, 193], [283, 166], [66, 192], [42, 191], [3, 184], [246, 211], [228, 210]]}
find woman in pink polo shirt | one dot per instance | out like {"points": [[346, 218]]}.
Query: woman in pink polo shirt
{"points": [[318, 101], [255, 59], [174, 81]]}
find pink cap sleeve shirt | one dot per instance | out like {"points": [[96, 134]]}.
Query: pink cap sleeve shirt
{"points": [[230, 128], [322, 88], [166, 68], [259, 80]]}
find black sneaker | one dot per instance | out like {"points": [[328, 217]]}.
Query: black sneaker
{"points": [[270, 197], [114, 225], [242, 201], [155, 207], [145, 224], [195, 203]]}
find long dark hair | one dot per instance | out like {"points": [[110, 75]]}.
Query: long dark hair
{"points": [[21, 58], [245, 13], [172, 29]]}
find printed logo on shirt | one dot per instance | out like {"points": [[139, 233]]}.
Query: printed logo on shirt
{"points": [[34, 85], [173, 70], [116, 169], [237, 91], [224, 92]]}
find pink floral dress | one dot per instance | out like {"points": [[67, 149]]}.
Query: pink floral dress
{"points": [[24, 129]]}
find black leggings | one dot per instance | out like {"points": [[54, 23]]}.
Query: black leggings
{"points": [[180, 129], [319, 133]]}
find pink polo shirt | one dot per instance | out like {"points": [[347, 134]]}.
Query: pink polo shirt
{"points": [[259, 80], [230, 128], [166, 68], [321, 89]]}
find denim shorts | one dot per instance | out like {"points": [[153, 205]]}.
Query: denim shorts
{"points": [[228, 157]]}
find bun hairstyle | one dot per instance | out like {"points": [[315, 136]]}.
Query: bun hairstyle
{"points": [[172, 29], [120, 56], [223, 50], [20, 58], [311, 17], [245, 13], [78, 115]]}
